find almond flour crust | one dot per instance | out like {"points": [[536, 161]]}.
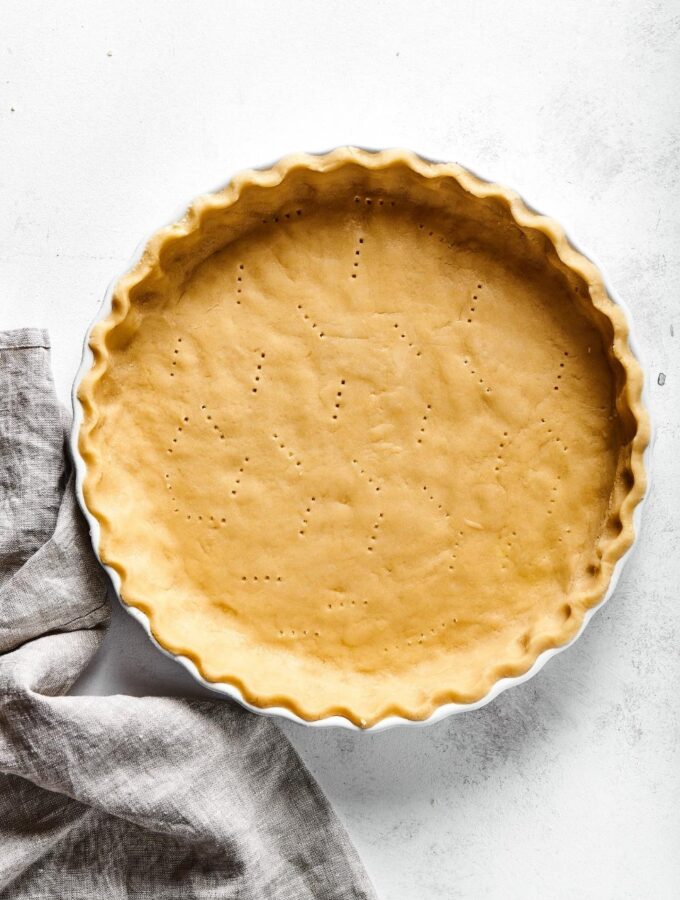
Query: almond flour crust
{"points": [[363, 435]]}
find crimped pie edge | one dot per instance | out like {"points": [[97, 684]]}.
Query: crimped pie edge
{"points": [[497, 676]]}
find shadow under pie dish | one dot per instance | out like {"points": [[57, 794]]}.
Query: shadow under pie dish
{"points": [[361, 436]]}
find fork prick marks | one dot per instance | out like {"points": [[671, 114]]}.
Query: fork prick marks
{"points": [[169, 486], [175, 356], [286, 451], [502, 444], [508, 542], [338, 400], [429, 493], [187, 423], [475, 374], [375, 528], [257, 377], [368, 478], [403, 336], [237, 479], [239, 283], [310, 322], [304, 519], [423, 424], [472, 306], [207, 415], [357, 257]]}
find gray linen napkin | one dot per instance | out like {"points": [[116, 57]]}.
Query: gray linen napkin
{"points": [[121, 796]]}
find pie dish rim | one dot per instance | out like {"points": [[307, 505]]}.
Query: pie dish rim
{"points": [[525, 214]]}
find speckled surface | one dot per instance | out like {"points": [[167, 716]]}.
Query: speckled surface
{"points": [[570, 785]]}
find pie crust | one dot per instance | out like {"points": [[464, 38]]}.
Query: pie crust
{"points": [[363, 435]]}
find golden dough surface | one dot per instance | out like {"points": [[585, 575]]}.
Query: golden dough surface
{"points": [[357, 460]]}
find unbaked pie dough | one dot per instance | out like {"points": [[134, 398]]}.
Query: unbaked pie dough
{"points": [[363, 435]]}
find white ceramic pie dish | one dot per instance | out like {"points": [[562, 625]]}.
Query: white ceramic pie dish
{"points": [[232, 692]]}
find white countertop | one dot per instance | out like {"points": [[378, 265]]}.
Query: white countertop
{"points": [[111, 115]]}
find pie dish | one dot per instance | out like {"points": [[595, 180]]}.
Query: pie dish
{"points": [[362, 436]]}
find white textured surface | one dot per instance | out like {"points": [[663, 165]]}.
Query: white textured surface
{"points": [[568, 787]]}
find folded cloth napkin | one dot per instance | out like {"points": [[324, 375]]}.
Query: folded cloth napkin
{"points": [[120, 796]]}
